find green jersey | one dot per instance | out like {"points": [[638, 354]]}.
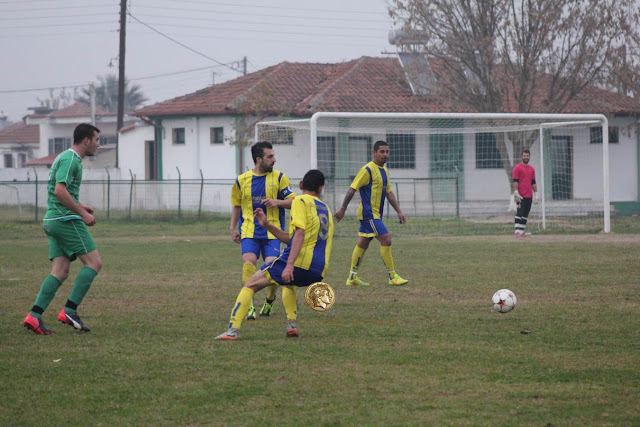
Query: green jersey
{"points": [[66, 168]]}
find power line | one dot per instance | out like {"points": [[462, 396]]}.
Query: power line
{"points": [[58, 25], [295, 33], [42, 88], [184, 71], [259, 14], [66, 33], [231, 21], [360, 12], [177, 42], [84, 15], [31, 9], [313, 41]]}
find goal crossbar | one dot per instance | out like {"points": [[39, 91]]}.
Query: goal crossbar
{"points": [[484, 122]]}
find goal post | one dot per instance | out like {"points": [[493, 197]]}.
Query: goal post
{"points": [[455, 168]]}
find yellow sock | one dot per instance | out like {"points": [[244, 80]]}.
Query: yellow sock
{"points": [[290, 301], [272, 292], [356, 260], [248, 270], [385, 251], [241, 307]]}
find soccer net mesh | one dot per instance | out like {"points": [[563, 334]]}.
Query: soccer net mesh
{"points": [[452, 174]]}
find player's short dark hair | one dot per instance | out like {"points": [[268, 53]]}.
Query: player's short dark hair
{"points": [[257, 149], [82, 131], [379, 144], [313, 180], [526, 151]]}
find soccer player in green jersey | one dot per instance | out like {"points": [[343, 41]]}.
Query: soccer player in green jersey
{"points": [[375, 186], [65, 224]]}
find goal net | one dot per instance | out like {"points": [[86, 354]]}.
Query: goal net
{"points": [[452, 172]]}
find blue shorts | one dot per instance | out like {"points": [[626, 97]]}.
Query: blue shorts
{"points": [[372, 228], [266, 247], [301, 277]]}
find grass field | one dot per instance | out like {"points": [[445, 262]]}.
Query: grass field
{"points": [[429, 353]]}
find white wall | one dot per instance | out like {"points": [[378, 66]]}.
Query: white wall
{"points": [[131, 147], [217, 161]]}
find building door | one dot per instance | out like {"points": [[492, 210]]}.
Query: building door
{"points": [[561, 154], [327, 156], [151, 160], [446, 163]]}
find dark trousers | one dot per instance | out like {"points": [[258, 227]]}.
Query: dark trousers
{"points": [[524, 207]]}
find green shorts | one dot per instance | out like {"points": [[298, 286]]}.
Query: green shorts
{"points": [[68, 238]]}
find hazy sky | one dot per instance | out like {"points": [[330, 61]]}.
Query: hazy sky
{"points": [[54, 43]]}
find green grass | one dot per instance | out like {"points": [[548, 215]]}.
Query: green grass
{"points": [[430, 353]]}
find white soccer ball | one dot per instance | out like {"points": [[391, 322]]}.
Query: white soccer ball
{"points": [[504, 301]]}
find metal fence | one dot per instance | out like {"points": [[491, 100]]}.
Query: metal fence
{"points": [[27, 200], [424, 199]]}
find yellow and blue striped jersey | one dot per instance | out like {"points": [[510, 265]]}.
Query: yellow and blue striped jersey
{"points": [[374, 184], [248, 192], [312, 215]]}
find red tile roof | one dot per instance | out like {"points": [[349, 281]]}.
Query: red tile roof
{"points": [[48, 160], [79, 109], [20, 133], [365, 84]]}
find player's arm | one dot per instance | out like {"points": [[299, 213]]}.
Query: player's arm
{"points": [[285, 195], [233, 226], [516, 194], [534, 186], [63, 195], [261, 217], [294, 251], [276, 203], [345, 203], [396, 206]]}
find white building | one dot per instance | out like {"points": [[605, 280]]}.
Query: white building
{"points": [[207, 133]]}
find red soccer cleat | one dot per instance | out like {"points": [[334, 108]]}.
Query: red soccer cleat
{"points": [[36, 325]]}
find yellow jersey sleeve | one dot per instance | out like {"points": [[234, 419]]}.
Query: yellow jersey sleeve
{"points": [[285, 188], [236, 194], [362, 178], [299, 215]]}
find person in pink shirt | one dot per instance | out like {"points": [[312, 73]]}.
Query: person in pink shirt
{"points": [[525, 191]]}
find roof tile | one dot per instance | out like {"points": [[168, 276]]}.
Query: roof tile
{"points": [[366, 85]]}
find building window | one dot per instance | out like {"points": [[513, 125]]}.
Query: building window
{"points": [[596, 135], [177, 135], [217, 135], [402, 147], [8, 160], [22, 159], [58, 145], [487, 154], [282, 136], [108, 140]]}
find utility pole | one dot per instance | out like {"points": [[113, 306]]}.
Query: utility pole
{"points": [[121, 58], [92, 93], [244, 66]]}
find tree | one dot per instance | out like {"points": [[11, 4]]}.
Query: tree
{"points": [[107, 94], [57, 101], [523, 55]]}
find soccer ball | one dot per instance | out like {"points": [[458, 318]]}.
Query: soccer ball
{"points": [[504, 301]]}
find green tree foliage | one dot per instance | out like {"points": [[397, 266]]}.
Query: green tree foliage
{"points": [[107, 94]]}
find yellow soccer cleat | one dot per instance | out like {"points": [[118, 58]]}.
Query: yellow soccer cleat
{"points": [[356, 281], [397, 281]]}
